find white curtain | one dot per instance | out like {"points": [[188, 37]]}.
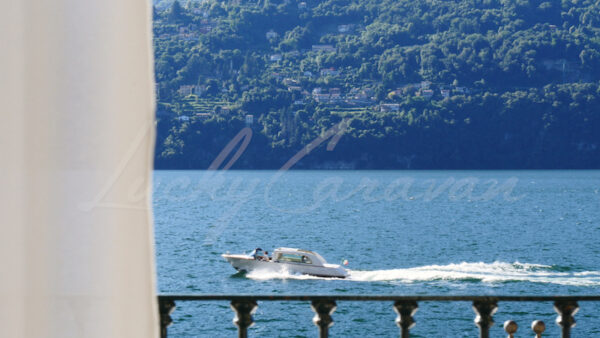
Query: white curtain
{"points": [[76, 140]]}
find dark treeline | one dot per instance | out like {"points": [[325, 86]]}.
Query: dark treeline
{"points": [[424, 84]]}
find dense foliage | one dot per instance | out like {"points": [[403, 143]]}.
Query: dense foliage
{"points": [[423, 83]]}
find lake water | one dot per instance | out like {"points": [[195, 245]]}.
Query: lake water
{"points": [[403, 233]]}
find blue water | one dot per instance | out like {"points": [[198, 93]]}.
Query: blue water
{"points": [[403, 233]]}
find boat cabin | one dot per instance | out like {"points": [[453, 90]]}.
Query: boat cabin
{"points": [[290, 255]]}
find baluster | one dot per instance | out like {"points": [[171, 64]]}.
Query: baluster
{"points": [[485, 310], [165, 308], [511, 327], [538, 327], [243, 315], [322, 318], [405, 311], [566, 309]]}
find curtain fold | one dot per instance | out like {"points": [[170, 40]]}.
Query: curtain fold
{"points": [[77, 141]]}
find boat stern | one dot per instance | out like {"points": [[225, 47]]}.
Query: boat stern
{"points": [[337, 270]]}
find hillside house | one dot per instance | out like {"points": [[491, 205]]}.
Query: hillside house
{"points": [[324, 48], [205, 29], [203, 116], [335, 98], [461, 90], [290, 82], [277, 76], [294, 53], [389, 107], [321, 98], [426, 93], [271, 34], [187, 90], [345, 28], [330, 72]]}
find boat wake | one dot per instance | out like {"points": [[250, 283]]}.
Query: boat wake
{"points": [[282, 274], [497, 272]]}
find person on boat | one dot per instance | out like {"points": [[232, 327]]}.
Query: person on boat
{"points": [[266, 256], [257, 253]]}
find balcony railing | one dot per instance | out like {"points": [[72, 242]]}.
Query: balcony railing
{"points": [[405, 306]]}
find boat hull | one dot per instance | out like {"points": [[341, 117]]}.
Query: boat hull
{"points": [[247, 264]]}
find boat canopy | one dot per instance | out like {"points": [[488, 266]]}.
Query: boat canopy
{"points": [[298, 256]]}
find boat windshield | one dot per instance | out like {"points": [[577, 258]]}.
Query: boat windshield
{"points": [[287, 257]]}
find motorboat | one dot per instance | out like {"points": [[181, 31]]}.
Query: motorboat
{"points": [[294, 261]]}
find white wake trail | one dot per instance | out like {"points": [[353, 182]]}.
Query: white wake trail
{"points": [[496, 272]]}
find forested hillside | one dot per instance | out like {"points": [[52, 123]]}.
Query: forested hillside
{"points": [[423, 83]]}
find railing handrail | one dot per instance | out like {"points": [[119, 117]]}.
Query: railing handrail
{"points": [[347, 297], [405, 306]]}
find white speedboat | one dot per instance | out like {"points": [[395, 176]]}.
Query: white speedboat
{"points": [[295, 261]]}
